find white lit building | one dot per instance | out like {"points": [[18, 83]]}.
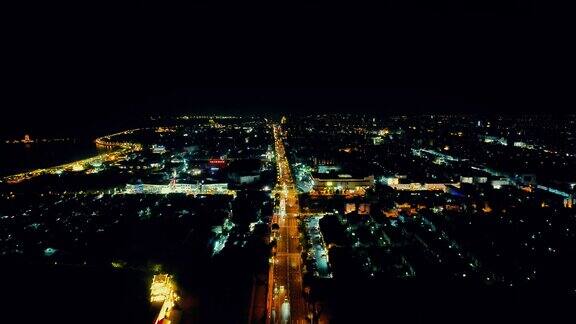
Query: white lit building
{"points": [[341, 184]]}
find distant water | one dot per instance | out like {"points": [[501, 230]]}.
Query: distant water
{"points": [[16, 158]]}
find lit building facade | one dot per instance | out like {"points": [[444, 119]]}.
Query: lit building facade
{"points": [[342, 184]]}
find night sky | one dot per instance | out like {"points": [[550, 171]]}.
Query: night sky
{"points": [[69, 64]]}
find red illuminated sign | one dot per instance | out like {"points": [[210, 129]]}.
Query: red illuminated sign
{"points": [[216, 161]]}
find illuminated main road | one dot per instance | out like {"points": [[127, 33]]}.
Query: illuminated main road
{"points": [[286, 303]]}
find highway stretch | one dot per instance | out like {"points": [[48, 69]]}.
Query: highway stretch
{"points": [[286, 302]]}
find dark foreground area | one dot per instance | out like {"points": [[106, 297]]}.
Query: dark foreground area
{"points": [[64, 294], [454, 301]]}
